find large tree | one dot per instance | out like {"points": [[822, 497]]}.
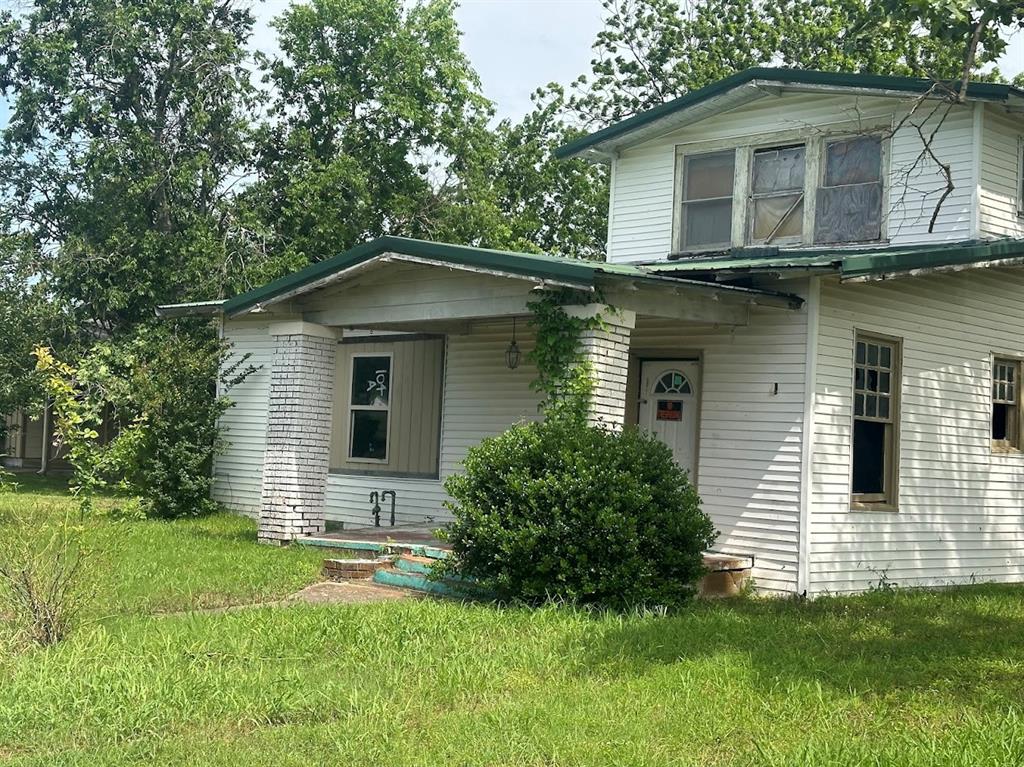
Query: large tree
{"points": [[129, 118], [374, 108]]}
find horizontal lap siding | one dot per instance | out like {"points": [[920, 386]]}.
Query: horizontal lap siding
{"points": [[238, 471], [482, 397], [748, 473], [643, 199], [961, 507], [1000, 176]]}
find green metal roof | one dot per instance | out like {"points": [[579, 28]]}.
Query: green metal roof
{"points": [[975, 90], [554, 269], [849, 263]]}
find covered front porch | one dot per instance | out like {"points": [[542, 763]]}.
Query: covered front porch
{"points": [[383, 370]]}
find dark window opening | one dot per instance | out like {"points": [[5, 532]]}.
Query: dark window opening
{"points": [[869, 457], [370, 434]]}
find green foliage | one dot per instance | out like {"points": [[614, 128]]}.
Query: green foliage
{"points": [[158, 388], [128, 121], [374, 103], [650, 51], [564, 376], [559, 509]]}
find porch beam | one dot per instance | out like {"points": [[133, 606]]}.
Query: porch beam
{"points": [[470, 309], [679, 305]]}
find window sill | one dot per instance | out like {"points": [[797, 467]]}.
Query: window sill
{"points": [[883, 506], [998, 449]]}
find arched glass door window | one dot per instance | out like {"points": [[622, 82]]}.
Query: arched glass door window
{"points": [[672, 382]]}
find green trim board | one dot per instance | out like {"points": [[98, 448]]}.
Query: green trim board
{"points": [[545, 268], [975, 91], [848, 263]]}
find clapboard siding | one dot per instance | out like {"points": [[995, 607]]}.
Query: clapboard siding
{"points": [[961, 506], [642, 199], [238, 471], [750, 439], [482, 397], [1000, 176]]}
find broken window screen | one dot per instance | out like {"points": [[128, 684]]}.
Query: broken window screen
{"points": [[707, 200], [874, 419], [849, 201], [1005, 413], [369, 407], [777, 194]]}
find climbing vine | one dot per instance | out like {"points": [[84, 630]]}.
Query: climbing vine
{"points": [[564, 376]]}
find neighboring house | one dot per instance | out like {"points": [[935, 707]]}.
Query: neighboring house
{"points": [[839, 376], [29, 444]]}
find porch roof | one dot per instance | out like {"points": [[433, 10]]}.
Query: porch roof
{"points": [[545, 269], [851, 264]]}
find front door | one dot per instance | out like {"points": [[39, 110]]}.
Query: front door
{"points": [[668, 407]]}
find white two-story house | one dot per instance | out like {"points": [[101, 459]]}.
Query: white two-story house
{"points": [[814, 294]]}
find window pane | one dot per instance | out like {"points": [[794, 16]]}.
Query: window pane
{"points": [[849, 213], [709, 175], [883, 407], [707, 223], [778, 170], [861, 352], [872, 354], [869, 456], [768, 212], [371, 381], [369, 434], [1000, 421], [853, 161]]}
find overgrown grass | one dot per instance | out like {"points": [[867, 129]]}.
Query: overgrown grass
{"points": [[884, 679]]}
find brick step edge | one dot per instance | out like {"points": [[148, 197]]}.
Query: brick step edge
{"points": [[353, 569]]}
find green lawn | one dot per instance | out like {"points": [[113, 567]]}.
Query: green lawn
{"points": [[886, 679]]}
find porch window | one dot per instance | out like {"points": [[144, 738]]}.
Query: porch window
{"points": [[777, 194], [849, 201], [875, 421], [707, 200], [370, 407], [1006, 404]]}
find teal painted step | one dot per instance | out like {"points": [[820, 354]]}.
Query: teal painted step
{"points": [[417, 582], [413, 566], [363, 547]]}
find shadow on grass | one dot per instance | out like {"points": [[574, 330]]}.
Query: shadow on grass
{"points": [[30, 483], [965, 642]]}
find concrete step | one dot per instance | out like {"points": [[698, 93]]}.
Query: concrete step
{"points": [[403, 579], [411, 563], [369, 548], [354, 569]]}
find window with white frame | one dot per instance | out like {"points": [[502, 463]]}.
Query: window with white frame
{"points": [[848, 205], [1020, 176], [777, 194], [1006, 403], [369, 407], [875, 421], [707, 185]]}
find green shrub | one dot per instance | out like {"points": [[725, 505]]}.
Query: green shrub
{"points": [[561, 510]]}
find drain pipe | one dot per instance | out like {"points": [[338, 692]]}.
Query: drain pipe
{"points": [[44, 459], [384, 495]]}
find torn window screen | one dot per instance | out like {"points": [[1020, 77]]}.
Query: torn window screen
{"points": [[849, 204], [777, 194]]}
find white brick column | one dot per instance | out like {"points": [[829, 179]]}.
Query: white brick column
{"points": [[607, 350], [297, 454]]}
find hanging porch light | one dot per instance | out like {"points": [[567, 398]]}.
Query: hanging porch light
{"points": [[512, 353]]}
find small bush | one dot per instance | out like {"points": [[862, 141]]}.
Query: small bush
{"points": [[558, 509], [43, 579]]}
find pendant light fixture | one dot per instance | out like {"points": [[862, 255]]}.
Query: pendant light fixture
{"points": [[512, 353]]}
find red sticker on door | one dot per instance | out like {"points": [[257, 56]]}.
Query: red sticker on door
{"points": [[669, 410]]}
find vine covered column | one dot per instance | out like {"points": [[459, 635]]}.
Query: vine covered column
{"points": [[603, 351]]}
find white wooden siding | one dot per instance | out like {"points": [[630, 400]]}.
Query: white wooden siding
{"points": [[238, 471], [749, 463], [481, 398], [961, 506], [1000, 176], [643, 179]]}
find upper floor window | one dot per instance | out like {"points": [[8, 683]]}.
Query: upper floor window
{"points": [[707, 200], [848, 207], [777, 194]]}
